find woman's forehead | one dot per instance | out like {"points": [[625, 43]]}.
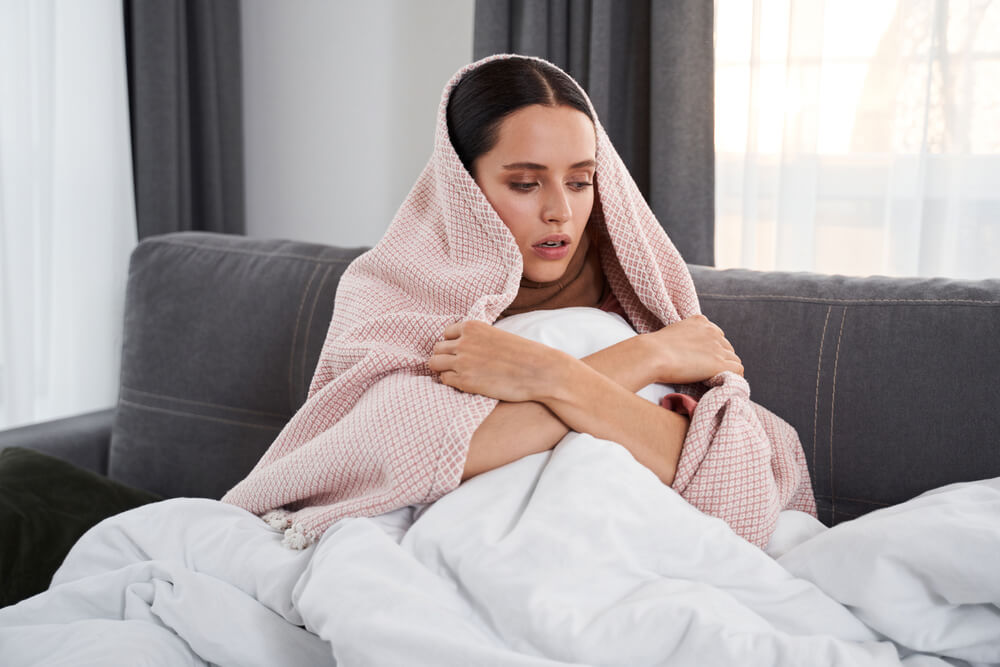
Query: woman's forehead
{"points": [[539, 134]]}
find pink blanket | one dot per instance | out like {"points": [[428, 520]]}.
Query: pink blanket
{"points": [[378, 431]]}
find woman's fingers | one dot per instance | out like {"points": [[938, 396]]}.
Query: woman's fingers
{"points": [[717, 330], [722, 334], [453, 330], [444, 353], [481, 359], [448, 377], [734, 363], [442, 357], [723, 342], [440, 363], [445, 346], [696, 349]]}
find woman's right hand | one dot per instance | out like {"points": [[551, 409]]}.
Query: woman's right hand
{"points": [[693, 350]]}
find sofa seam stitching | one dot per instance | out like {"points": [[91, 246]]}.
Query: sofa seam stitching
{"points": [[280, 255], [295, 340], [312, 312], [206, 403], [197, 416], [833, 400], [855, 302], [819, 367]]}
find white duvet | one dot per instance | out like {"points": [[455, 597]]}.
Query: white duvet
{"points": [[575, 556]]}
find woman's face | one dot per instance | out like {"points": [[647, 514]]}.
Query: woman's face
{"points": [[539, 178]]}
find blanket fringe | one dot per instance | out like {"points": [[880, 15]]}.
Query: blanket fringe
{"points": [[277, 519], [297, 537]]}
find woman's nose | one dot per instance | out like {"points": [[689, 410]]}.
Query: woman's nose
{"points": [[557, 208]]}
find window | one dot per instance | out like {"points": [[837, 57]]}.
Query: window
{"points": [[859, 137]]}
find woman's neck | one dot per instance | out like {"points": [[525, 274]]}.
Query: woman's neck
{"points": [[583, 284]]}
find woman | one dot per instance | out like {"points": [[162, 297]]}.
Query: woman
{"points": [[524, 206], [415, 391], [527, 137]]}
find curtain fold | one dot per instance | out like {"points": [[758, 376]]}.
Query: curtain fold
{"points": [[185, 99], [648, 68]]}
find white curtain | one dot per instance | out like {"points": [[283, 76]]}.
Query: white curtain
{"points": [[859, 136], [67, 216]]}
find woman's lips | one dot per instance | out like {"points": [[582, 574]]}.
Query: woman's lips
{"points": [[557, 252]]}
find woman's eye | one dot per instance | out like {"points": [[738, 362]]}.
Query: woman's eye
{"points": [[581, 185], [523, 187]]}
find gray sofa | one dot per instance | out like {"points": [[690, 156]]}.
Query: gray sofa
{"points": [[893, 384]]}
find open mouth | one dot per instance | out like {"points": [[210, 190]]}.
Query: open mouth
{"points": [[551, 244]]}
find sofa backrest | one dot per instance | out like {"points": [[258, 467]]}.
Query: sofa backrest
{"points": [[893, 384], [222, 334]]}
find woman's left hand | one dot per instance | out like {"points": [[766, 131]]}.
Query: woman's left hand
{"points": [[478, 358]]}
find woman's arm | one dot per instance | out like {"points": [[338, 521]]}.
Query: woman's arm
{"points": [[515, 430], [589, 402], [545, 392]]}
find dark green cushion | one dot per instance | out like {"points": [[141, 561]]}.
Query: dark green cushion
{"points": [[46, 504]]}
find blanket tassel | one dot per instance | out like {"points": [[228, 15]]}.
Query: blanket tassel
{"points": [[277, 519], [296, 537]]}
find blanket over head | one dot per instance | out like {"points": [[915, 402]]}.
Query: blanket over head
{"points": [[379, 431]]}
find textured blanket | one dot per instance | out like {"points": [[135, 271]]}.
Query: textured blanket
{"points": [[378, 431]]}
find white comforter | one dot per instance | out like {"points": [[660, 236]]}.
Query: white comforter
{"points": [[577, 556]]}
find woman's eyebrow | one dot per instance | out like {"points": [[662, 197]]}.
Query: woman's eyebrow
{"points": [[541, 167]]}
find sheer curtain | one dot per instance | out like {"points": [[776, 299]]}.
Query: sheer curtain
{"points": [[859, 136], [67, 218]]}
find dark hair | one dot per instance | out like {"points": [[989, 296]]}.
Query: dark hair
{"points": [[485, 96]]}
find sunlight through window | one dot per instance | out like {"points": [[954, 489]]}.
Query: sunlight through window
{"points": [[858, 137]]}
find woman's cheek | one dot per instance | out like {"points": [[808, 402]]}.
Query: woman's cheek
{"points": [[585, 204], [515, 214]]}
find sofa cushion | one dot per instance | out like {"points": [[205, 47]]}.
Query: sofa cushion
{"points": [[46, 504], [222, 335], [893, 384]]}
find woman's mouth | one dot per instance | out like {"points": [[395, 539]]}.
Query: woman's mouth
{"points": [[551, 249]]}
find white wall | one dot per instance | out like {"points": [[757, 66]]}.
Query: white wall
{"points": [[340, 100]]}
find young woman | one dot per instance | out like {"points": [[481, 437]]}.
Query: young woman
{"points": [[524, 205], [526, 135]]}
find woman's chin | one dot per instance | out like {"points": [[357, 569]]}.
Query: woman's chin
{"points": [[545, 274]]}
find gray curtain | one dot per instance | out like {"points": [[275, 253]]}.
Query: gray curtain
{"points": [[185, 102], [648, 68]]}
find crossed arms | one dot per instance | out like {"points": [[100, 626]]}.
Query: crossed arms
{"points": [[544, 393]]}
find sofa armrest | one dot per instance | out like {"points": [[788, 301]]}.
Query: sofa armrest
{"points": [[82, 440]]}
